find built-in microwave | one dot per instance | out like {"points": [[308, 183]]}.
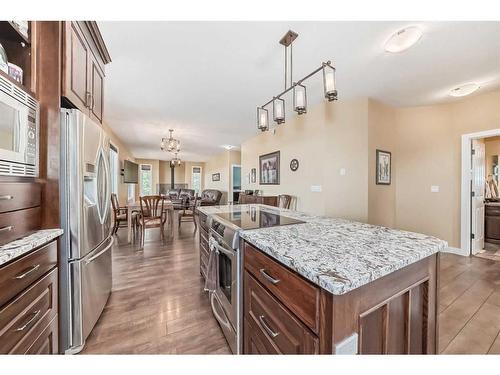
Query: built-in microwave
{"points": [[18, 131]]}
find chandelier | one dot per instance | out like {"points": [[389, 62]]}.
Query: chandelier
{"points": [[170, 144], [299, 90], [176, 161]]}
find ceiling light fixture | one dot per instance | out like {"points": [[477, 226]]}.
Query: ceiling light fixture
{"points": [[403, 39], [464, 90], [170, 144], [299, 90], [176, 161], [229, 147]]}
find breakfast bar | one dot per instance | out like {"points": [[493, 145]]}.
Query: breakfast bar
{"points": [[334, 286]]}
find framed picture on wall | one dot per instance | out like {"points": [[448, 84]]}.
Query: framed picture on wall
{"points": [[383, 168], [216, 177], [253, 176], [269, 169]]}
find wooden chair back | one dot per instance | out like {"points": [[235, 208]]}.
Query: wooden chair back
{"points": [[115, 204], [284, 201], [152, 206]]}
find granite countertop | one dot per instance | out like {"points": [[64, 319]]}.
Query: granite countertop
{"points": [[336, 254], [15, 249]]}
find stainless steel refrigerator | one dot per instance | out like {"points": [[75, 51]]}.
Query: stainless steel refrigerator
{"points": [[85, 261]]}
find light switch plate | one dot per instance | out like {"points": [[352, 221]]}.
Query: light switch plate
{"points": [[316, 188], [348, 346], [342, 171], [434, 189]]}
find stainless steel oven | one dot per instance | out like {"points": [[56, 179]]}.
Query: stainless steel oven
{"points": [[225, 300], [18, 131]]}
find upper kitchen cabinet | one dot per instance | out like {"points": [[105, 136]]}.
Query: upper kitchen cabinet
{"points": [[84, 58]]}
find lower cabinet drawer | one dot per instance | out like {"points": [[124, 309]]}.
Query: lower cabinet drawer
{"points": [[23, 320], [17, 224], [278, 330], [18, 275], [47, 342]]}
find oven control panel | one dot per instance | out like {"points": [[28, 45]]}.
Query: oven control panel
{"points": [[218, 227]]}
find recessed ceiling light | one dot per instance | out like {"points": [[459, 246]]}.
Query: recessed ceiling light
{"points": [[464, 90], [228, 147], [403, 39]]}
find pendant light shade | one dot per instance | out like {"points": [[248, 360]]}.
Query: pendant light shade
{"points": [[262, 119], [329, 82], [279, 110], [299, 99]]}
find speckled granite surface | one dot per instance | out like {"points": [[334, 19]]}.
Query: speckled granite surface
{"points": [[19, 247], [336, 254]]}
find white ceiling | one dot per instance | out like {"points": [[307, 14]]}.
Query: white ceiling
{"points": [[205, 79]]}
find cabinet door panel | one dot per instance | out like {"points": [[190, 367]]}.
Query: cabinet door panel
{"points": [[97, 91], [76, 87]]}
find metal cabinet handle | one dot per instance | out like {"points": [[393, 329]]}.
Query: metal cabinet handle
{"points": [[87, 99], [31, 320], [6, 229], [269, 331], [269, 278], [26, 273], [6, 197]]}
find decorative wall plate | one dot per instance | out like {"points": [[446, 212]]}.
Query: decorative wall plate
{"points": [[294, 165]]}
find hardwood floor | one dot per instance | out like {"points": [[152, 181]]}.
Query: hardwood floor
{"points": [[469, 305], [157, 304]]}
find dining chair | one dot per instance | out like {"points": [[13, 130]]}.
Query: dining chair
{"points": [[188, 212], [152, 215], [284, 201], [120, 215]]}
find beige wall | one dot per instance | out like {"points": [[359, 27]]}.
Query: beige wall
{"points": [[221, 163], [429, 153], [329, 137], [381, 135], [123, 154]]}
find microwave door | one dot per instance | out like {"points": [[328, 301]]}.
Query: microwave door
{"points": [[13, 129]]}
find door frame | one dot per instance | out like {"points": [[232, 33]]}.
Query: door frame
{"points": [[231, 190], [465, 201]]}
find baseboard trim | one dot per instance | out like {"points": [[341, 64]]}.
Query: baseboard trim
{"points": [[456, 250]]}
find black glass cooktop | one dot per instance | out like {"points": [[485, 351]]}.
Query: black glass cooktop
{"points": [[254, 218]]}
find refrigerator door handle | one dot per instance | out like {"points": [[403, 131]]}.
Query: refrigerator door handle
{"points": [[94, 257]]}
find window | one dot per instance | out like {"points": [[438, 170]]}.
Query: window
{"points": [[196, 179], [146, 179], [114, 167], [130, 192]]}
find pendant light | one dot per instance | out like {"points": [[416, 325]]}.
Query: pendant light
{"points": [[279, 110], [329, 82], [299, 99], [262, 119]]}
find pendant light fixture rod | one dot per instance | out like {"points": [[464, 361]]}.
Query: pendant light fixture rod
{"points": [[297, 83]]}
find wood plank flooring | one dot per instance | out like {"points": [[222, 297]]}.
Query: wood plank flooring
{"points": [[158, 304], [469, 305]]}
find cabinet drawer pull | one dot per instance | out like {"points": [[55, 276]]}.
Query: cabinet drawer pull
{"points": [[6, 229], [6, 197], [269, 278], [269, 331], [27, 272], [31, 320]]}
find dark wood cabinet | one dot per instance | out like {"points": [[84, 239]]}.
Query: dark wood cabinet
{"points": [[84, 58], [29, 303], [283, 313], [492, 223], [258, 199]]}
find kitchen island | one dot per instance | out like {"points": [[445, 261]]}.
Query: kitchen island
{"points": [[336, 286]]}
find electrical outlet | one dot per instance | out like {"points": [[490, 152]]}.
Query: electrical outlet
{"points": [[342, 171], [434, 189]]}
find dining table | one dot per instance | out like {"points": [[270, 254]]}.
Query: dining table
{"points": [[168, 208]]}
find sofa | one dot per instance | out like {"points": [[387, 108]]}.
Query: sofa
{"points": [[210, 197], [180, 193]]}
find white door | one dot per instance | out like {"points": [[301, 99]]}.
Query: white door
{"points": [[477, 198]]}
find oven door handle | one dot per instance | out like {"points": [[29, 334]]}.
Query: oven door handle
{"points": [[223, 251], [219, 318]]}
